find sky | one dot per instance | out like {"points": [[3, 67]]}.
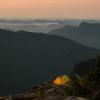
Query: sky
{"points": [[50, 9]]}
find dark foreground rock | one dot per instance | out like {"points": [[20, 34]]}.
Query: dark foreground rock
{"points": [[45, 98], [85, 87], [62, 98]]}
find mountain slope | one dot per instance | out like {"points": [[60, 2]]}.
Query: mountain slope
{"points": [[87, 34], [29, 58]]}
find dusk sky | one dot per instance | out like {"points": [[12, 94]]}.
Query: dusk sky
{"points": [[50, 9]]}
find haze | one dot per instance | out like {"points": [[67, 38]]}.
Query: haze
{"points": [[50, 9]]}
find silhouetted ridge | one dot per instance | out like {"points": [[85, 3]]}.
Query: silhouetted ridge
{"points": [[84, 67], [30, 58], [86, 34]]}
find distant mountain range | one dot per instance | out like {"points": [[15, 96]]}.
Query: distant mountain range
{"points": [[86, 34], [41, 25], [28, 58]]}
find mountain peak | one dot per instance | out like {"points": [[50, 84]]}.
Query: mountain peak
{"points": [[89, 25]]}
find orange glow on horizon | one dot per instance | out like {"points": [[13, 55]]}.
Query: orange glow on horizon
{"points": [[50, 8]]}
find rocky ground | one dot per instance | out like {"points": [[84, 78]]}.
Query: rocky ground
{"points": [[84, 87]]}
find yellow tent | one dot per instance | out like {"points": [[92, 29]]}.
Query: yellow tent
{"points": [[62, 80]]}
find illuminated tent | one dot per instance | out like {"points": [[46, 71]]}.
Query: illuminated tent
{"points": [[62, 80]]}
